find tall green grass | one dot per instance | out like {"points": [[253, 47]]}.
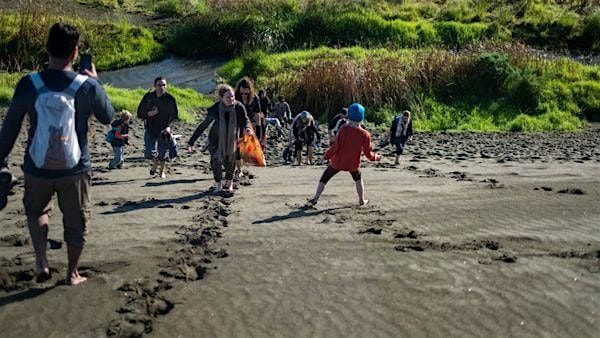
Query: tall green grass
{"points": [[189, 101], [497, 87], [230, 27], [114, 45]]}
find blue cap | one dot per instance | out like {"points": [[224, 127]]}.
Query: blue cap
{"points": [[356, 112]]}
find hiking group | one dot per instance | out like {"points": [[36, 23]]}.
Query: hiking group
{"points": [[59, 103]]}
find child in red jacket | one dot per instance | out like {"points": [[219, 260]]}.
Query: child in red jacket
{"points": [[352, 140]]}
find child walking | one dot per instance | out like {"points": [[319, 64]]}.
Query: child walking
{"points": [[120, 139], [165, 149], [352, 140], [400, 132]]}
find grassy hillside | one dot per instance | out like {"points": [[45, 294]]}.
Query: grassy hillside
{"points": [[496, 87], [229, 27], [113, 44], [188, 100]]}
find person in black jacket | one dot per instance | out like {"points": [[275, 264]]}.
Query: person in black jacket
{"points": [[229, 120], [304, 132], [400, 132], [120, 139], [158, 109]]}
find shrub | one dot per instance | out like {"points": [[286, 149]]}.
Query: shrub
{"points": [[114, 45], [587, 96], [591, 32]]}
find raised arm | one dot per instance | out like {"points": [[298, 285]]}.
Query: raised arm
{"points": [[101, 105]]}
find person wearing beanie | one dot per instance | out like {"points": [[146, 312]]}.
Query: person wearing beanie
{"points": [[344, 155]]}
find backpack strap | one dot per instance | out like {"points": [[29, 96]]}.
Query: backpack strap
{"points": [[38, 83], [76, 84]]}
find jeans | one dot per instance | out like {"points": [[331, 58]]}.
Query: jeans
{"points": [[119, 156], [150, 145]]}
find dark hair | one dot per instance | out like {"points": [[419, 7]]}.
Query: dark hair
{"points": [[344, 111], [62, 40], [245, 82], [160, 78], [260, 92], [280, 98]]}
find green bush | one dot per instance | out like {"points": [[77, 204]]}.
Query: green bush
{"points": [[459, 34], [587, 97], [114, 45], [591, 32]]}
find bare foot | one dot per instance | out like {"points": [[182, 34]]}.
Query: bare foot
{"points": [[74, 278], [163, 175], [363, 203], [43, 275]]}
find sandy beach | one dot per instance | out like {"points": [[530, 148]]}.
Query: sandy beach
{"points": [[473, 234]]}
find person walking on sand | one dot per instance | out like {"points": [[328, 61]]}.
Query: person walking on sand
{"points": [[304, 131], [400, 131], [158, 109], [352, 140], [229, 119], [59, 103], [282, 111], [244, 93], [120, 139]]}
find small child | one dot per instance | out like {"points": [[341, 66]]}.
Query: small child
{"points": [[400, 132], [166, 151], [351, 141], [120, 139]]}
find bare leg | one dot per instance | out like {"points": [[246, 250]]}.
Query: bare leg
{"points": [[162, 169], [38, 230], [238, 168], [153, 166], [320, 188], [310, 155], [73, 276], [360, 191]]}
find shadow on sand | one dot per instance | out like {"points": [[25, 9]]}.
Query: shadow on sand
{"points": [[305, 211], [156, 203], [180, 181], [24, 295]]}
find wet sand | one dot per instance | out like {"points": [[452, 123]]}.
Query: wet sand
{"points": [[471, 235]]}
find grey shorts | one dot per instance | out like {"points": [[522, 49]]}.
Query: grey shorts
{"points": [[73, 200]]}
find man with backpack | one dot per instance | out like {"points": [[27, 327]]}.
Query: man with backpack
{"points": [[59, 103]]}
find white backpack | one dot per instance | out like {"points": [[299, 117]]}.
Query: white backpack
{"points": [[55, 145]]}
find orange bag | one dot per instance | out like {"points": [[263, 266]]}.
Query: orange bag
{"points": [[251, 151]]}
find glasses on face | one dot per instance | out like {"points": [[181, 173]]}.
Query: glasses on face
{"points": [[161, 84]]}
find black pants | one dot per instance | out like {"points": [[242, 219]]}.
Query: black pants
{"points": [[217, 164], [330, 172]]}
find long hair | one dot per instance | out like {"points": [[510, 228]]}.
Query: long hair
{"points": [[244, 82]]}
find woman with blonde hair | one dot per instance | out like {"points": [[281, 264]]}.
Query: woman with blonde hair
{"points": [[229, 120]]}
